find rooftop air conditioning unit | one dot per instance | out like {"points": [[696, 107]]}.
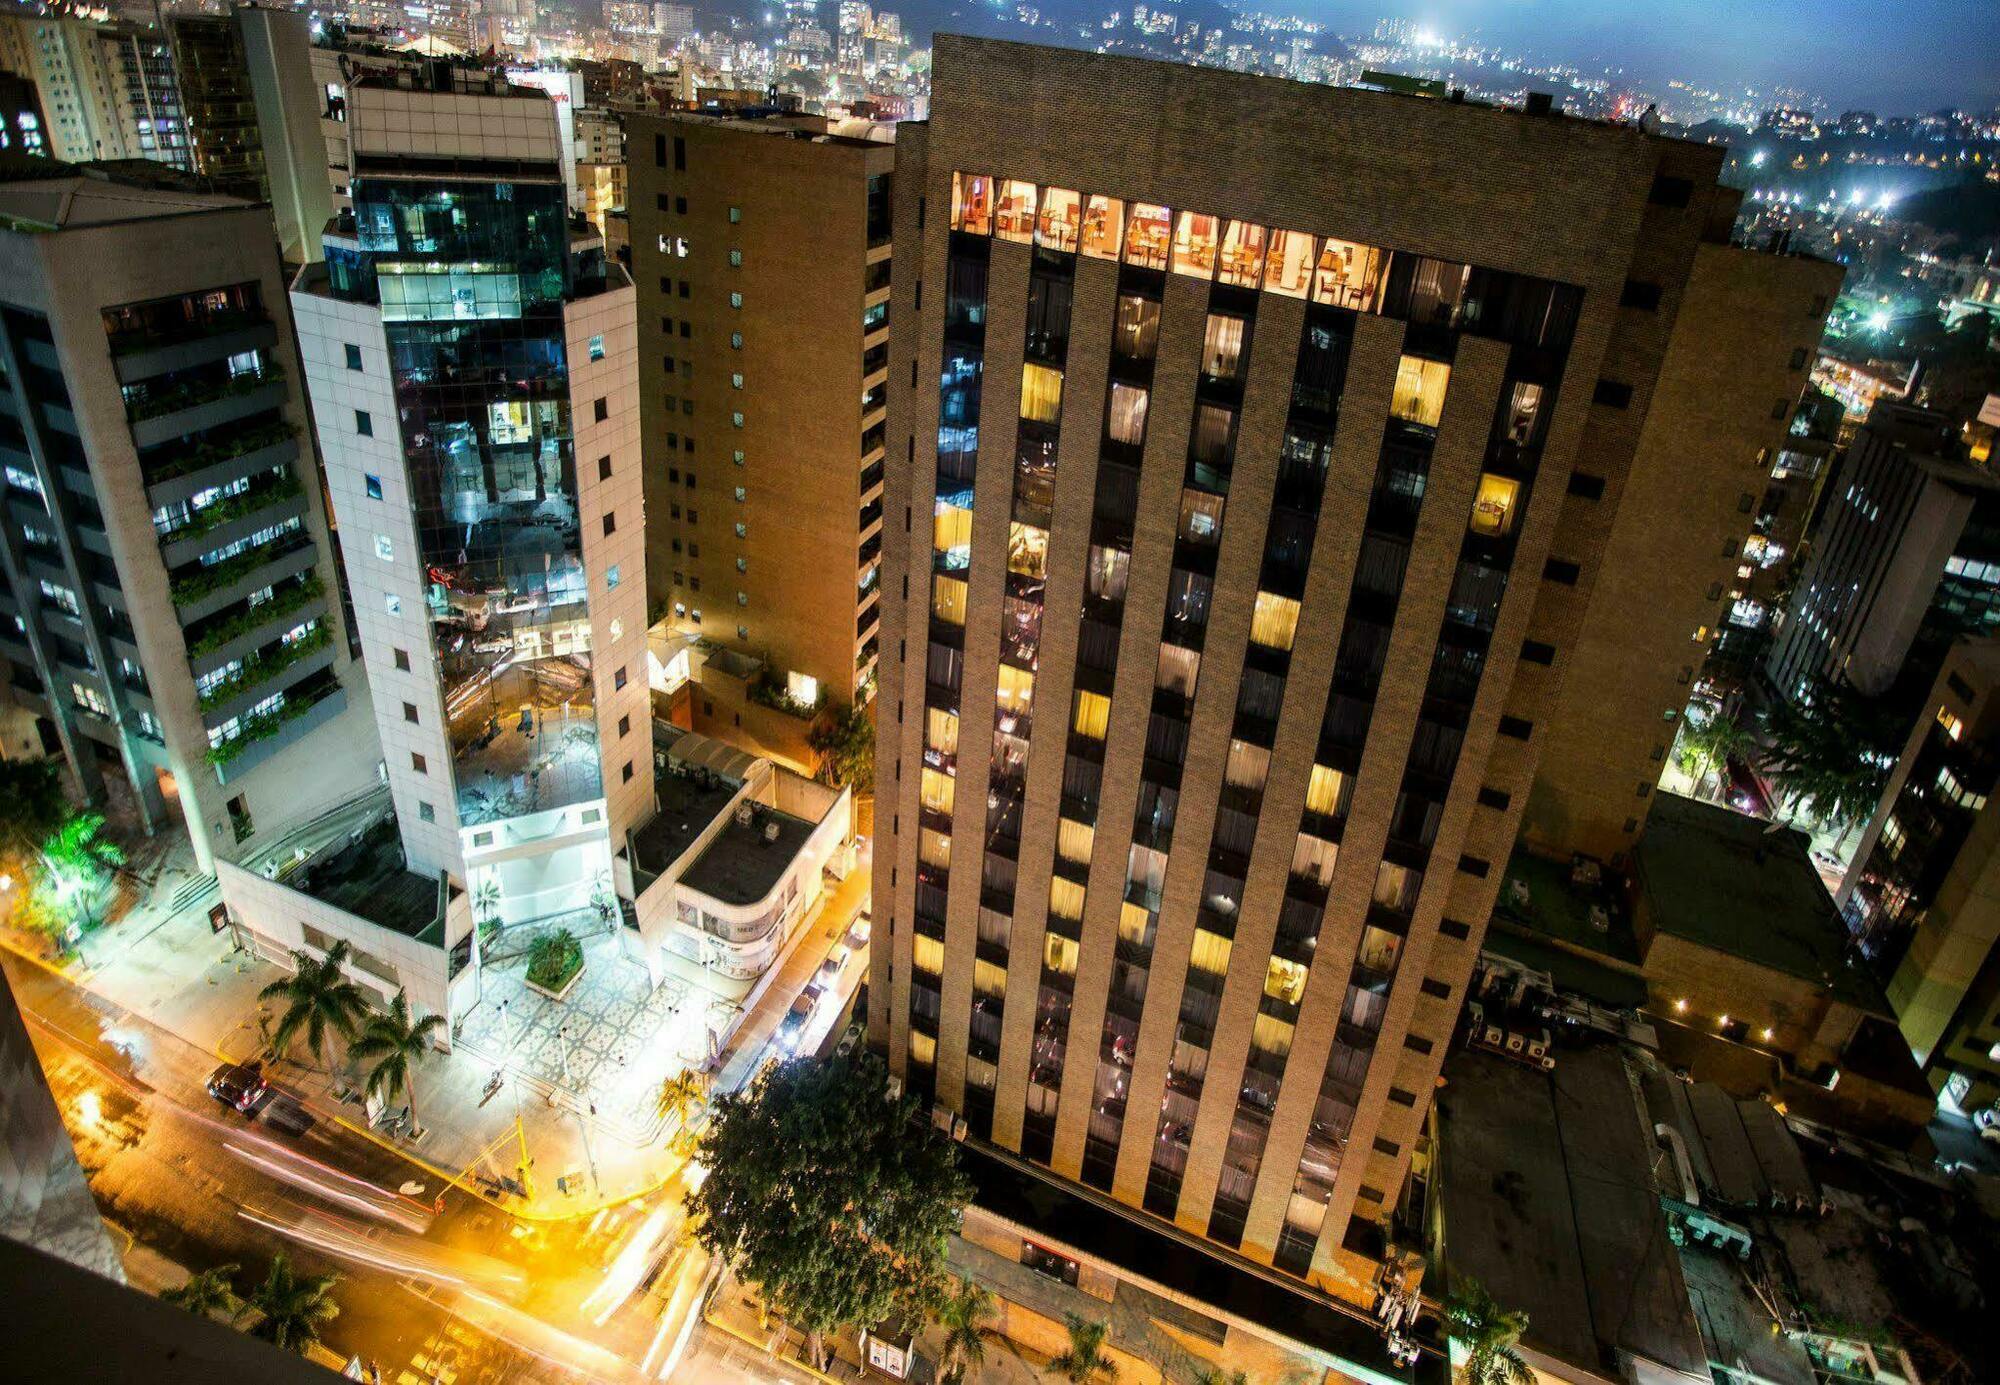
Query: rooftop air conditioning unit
{"points": [[770, 831], [1516, 1043], [743, 815], [1538, 1046], [958, 1128]]}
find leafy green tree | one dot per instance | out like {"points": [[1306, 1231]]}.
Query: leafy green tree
{"points": [[1490, 1335], [293, 1307], [77, 860], [1708, 743], [319, 1002], [394, 1044], [961, 1312], [32, 806], [829, 1196], [844, 740], [1086, 1359], [1830, 753], [208, 1294], [680, 1095]]}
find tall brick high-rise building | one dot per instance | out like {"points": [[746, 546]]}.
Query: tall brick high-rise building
{"points": [[1255, 450]]}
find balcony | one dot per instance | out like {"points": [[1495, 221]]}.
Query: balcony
{"points": [[257, 625], [221, 460], [218, 334], [204, 593], [237, 517], [264, 672], [265, 736], [193, 411]]}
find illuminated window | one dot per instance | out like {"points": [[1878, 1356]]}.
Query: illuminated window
{"points": [[1242, 261], [1893, 837], [1194, 245], [1271, 1035], [1059, 954], [988, 980], [1313, 858], [1065, 898], [1136, 334], [1419, 393], [971, 203], [927, 955], [1073, 840], [1093, 714], [1493, 505], [1349, 275], [1146, 235], [1222, 347], [1103, 227], [934, 847], [1041, 393], [1524, 406], [1379, 949], [922, 1048], [1246, 767], [1017, 689], [1288, 264], [1027, 550], [1015, 218], [1396, 887], [937, 791], [1953, 727], [1285, 980], [951, 535], [948, 599], [1061, 212], [1135, 923], [1949, 786], [1327, 791], [941, 731], [1210, 952], [1274, 621]]}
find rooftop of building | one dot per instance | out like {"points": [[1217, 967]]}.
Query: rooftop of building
{"points": [[40, 195], [745, 861], [1547, 1190], [1745, 887], [367, 876], [690, 799], [1550, 898]]}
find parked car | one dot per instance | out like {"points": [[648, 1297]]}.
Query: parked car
{"points": [[240, 1085], [834, 965], [858, 931], [792, 1028]]}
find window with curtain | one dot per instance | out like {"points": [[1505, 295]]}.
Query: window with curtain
{"points": [[1524, 408], [1222, 347], [923, 1048], [988, 980], [948, 598], [1017, 689], [951, 540], [1065, 898], [941, 730], [1493, 505], [1313, 859], [1103, 227], [1125, 419], [971, 203], [1210, 952], [1214, 427], [1195, 240], [1177, 670], [1326, 791], [1136, 332], [1396, 886], [1274, 621], [1106, 572], [1041, 393], [1201, 518], [1059, 954], [1135, 924], [937, 790], [1285, 980], [995, 927], [934, 847], [1247, 766], [1146, 869], [1419, 394], [927, 954], [1073, 840], [1027, 550], [1061, 213], [1271, 1035], [1379, 949], [1093, 714]]}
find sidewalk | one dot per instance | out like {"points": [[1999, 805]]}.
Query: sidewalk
{"points": [[161, 962]]}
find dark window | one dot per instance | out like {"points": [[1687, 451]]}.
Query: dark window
{"points": [[1452, 928], [604, 468], [353, 356], [610, 523], [1799, 358], [680, 154], [426, 812], [1388, 1147], [1517, 728], [1631, 825], [1494, 798], [618, 678], [1779, 408], [1535, 652], [626, 776], [624, 726], [402, 659], [1401, 1098], [680, 206], [1668, 191], [373, 486], [1613, 394], [1744, 502], [1639, 294], [1559, 570], [1474, 867], [600, 409], [363, 424], [659, 151], [410, 713], [1434, 987], [1416, 1043], [1372, 1194], [419, 764], [1959, 687], [1586, 487]]}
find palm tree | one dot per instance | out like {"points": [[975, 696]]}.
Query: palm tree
{"points": [[1086, 1360], [77, 861], [1490, 1335], [960, 1314], [679, 1095], [294, 1307], [1707, 745], [396, 1044], [1215, 1375], [1830, 754], [209, 1294], [319, 1002]]}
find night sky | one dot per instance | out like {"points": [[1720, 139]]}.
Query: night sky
{"points": [[1907, 57]]}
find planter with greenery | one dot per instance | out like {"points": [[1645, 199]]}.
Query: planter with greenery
{"points": [[766, 689], [254, 729], [239, 506], [283, 602], [266, 664], [188, 396], [210, 453], [206, 581], [555, 961]]}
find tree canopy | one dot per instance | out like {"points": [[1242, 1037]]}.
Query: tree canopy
{"points": [[828, 1195], [845, 742], [1830, 752], [1490, 1335], [32, 807]]}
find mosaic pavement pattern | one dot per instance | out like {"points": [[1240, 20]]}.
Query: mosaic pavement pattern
{"points": [[621, 1032]]}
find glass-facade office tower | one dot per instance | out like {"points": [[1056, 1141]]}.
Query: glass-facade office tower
{"points": [[471, 360], [1255, 475]]}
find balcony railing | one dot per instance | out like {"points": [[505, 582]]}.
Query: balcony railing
{"points": [[188, 396], [260, 668]]}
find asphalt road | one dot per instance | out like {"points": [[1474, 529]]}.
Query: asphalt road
{"points": [[476, 1298]]}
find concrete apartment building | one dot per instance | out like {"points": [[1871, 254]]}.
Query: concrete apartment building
{"points": [[1284, 497], [109, 91], [1905, 559], [253, 111], [1922, 899], [764, 408], [169, 613], [470, 357]]}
